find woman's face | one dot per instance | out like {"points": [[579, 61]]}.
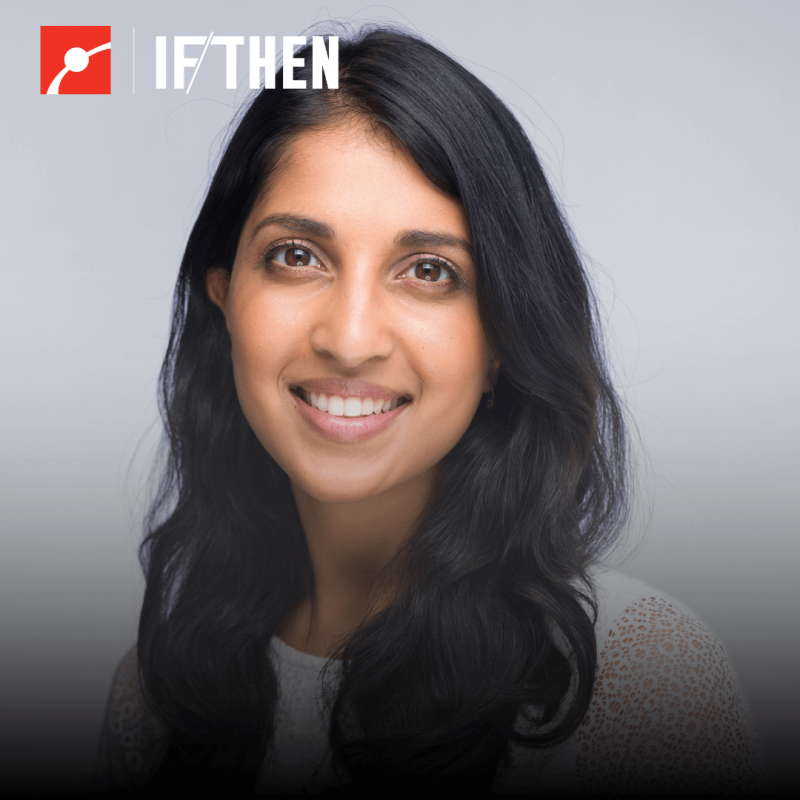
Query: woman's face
{"points": [[353, 290]]}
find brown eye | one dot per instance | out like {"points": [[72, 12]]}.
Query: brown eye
{"points": [[430, 271], [295, 257]]}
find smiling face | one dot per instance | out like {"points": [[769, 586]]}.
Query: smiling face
{"points": [[358, 353]]}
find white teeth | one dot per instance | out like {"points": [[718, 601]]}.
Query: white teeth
{"points": [[352, 407], [349, 406], [336, 406]]}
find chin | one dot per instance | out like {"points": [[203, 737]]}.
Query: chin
{"points": [[337, 491]]}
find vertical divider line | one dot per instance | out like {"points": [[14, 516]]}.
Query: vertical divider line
{"points": [[133, 56]]}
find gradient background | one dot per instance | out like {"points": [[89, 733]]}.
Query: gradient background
{"points": [[669, 130]]}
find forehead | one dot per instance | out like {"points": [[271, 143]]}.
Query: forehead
{"points": [[351, 175]]}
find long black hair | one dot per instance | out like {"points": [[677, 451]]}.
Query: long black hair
{"points": [[493, 621]]}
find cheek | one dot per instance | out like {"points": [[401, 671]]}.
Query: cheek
{"points": [[263, 327], [457, 352], [257, 339], [251, 344], [454, 360]]}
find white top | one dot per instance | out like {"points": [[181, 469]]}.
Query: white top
{"points": [[667, 713]]}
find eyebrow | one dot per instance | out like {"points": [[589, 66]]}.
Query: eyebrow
{"points": [[309, 227], [312, 227], [428, 239]]}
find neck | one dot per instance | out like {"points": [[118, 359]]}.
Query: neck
{"points": [[350, 545]]}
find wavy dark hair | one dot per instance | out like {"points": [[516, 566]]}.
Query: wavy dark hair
{"points": [[493, 621]]}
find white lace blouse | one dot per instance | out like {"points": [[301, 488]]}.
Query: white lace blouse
{"points": [[667, 714]]}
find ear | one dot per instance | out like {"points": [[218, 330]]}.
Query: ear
{"points": [[218, 283]]}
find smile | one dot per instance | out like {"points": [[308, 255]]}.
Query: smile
{"points": [[348, 416], [348, 406]]}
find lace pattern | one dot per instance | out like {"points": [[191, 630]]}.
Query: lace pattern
{"points": [[133, 739], [667, 712]]}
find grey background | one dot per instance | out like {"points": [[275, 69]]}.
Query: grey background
{"points": [[668, 129]]}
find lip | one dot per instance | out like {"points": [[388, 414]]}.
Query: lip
{"points": [[346, 429], [347, 388]]}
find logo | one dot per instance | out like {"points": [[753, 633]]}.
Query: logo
{"points": [[75, 59], [324, 60]]}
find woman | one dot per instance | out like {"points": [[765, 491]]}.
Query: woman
{"points": [[394, 461]]}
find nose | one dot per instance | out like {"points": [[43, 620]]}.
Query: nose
{"points": [[353, 325]]}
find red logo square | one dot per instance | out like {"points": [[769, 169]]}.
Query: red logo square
{"points": [[75, 59]]}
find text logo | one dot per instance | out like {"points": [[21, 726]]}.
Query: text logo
{"points": [[75, 59], [323, 60]]}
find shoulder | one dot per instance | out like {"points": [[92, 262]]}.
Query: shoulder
{"points": [[667, 709], [133, 738]]}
